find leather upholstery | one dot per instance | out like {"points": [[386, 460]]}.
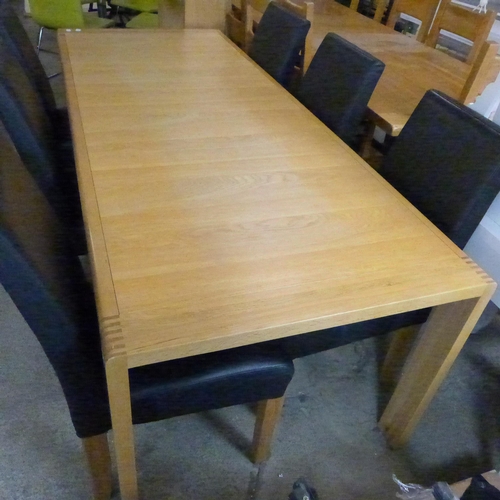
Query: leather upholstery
{"points": [[446, 162], [49, 160], [278, 40], [45, 281], [24, 117], [70, 340], [17, 42], [339, 84], [16, 39]]}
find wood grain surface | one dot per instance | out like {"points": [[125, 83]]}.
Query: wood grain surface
{"points": [[220, 212], [411, 68]]}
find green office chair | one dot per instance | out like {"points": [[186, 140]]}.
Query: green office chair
{"points": [[145, 20], [64, 14], [138, 5], [127, 10]]}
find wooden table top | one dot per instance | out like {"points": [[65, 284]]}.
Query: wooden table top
{"points": [[220, 212], [411, 68]]}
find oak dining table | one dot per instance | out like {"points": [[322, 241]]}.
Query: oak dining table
{"points": [[411, 68], [220, 212]]}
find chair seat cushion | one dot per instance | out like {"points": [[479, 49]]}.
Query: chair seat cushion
{"points": [[306, 344], [207, 382], [145, 20], [93, 21], [139, 5]]}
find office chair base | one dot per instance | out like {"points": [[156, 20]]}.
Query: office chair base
{"points": [[40, 35]]}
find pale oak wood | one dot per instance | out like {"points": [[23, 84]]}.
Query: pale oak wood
{"points": [[380, 10], [472, 25], [206, 14], [121, 418], [411, 68], [220, 212], [268, 415], [305, 9], [365, 148], [163, 155], [235, 24], [484, 70], [399, 349], [423, 10], [96, 450], [438, 345]]}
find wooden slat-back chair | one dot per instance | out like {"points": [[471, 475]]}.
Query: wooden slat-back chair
{"points": [[423, 10], [467, 23]]}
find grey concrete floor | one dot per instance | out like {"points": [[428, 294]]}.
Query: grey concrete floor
{"points": [[328, 432]]}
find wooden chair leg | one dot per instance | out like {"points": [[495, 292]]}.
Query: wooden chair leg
{"points": [[99, 461], [365, 148], [399, 349], [380, 10], [268, 414]]}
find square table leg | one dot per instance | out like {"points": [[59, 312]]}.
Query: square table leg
{"points": [[121, 418], [439, 342]]}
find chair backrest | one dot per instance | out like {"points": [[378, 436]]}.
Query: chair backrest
{"points": [[446, 162], [423, 10], [46, 283], [278, 41], [465, 22], [24, 116], [18, 43], [57, 14], [305, 10], [254, 10], [338, 85]]}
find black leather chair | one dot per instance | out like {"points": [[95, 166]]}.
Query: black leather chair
{"points": [[278, 41], [48, 158], [338, 86], [17, 42], [446, 162], [45, 282]]}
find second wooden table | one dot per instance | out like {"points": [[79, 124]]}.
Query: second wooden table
{"points": [[411, 68]]}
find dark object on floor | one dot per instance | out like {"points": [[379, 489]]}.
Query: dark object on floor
{"points": [[480, 489], [442, 491], [302, 491]]}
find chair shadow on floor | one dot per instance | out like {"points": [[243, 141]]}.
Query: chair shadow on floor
{"points": [[230, 432], [474, 388]]}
